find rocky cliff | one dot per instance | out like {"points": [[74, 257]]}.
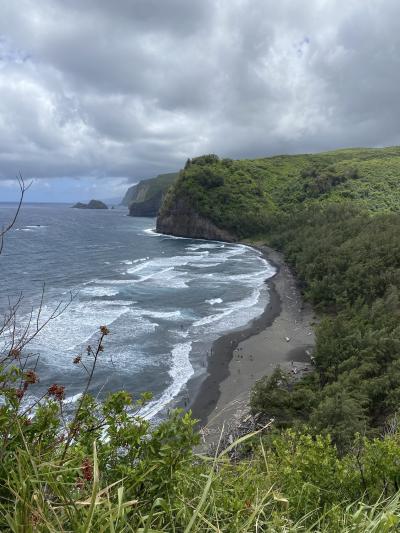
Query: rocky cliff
{"points": [[147, 208], [144, 199], [181, 220]]}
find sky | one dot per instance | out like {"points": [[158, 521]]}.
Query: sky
{"points": [[97, 94]]}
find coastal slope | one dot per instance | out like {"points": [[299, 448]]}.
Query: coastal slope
{"points": [[182, 220], [236, 199], [144, 199], [335, 216]]}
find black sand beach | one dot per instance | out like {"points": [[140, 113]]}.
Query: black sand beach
{"points": [[282, 335]]}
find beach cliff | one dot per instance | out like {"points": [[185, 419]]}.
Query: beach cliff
{"points": [[182, 220]]}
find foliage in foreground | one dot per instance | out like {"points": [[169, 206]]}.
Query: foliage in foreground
{"points": [[137, 478], [100, 466]]}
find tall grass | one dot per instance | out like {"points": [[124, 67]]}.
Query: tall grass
{"points": [[41, 500]]}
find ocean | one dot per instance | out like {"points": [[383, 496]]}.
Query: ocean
{"points": [[164, 299]]}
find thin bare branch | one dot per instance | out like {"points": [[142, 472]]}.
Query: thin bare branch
{"points": [[23, 188]]}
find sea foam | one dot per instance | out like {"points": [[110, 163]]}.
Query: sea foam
{"points": [[180, 372]]}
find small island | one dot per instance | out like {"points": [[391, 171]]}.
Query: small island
{"points": [[93, 204]]}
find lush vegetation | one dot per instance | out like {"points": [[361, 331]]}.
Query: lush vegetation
{"points": [[240, 195], [334, 215], [104, 468], [331, 460], [349, 263]]}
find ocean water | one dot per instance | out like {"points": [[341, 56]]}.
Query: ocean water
{"points": [[164, 299]]}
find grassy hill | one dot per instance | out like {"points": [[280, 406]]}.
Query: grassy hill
{"points": [[240, 196]]}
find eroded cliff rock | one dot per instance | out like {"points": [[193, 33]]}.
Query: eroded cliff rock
{"points": [[146, 208], [144, 199], [182, 220]]}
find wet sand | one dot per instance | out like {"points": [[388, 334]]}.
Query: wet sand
{"points": [[282, 335]]}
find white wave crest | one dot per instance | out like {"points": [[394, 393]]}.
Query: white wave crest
{"points": [[175, 315], [207, 246], [214, 301], [99, 291], [180, 372], [81, 320], [250, 301]]}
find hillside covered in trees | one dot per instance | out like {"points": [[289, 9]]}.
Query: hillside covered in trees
{"points": [[241, 196], [335, 216]]}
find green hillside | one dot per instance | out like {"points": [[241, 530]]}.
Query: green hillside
{"points": [[241, 195], [335, 216], [148, 194]]}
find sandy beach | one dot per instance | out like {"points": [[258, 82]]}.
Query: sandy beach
{"points": [[282, 335]]}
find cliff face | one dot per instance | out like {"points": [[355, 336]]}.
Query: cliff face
{"points": [[144, 199], [181, 220], [132, 194], [146, 208], [242, 198]]}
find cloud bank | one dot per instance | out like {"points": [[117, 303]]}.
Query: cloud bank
{"points": [[127, 89]]}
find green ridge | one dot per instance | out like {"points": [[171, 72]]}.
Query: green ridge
{"points": [[241, 195]]}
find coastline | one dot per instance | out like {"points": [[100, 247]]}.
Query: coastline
{"points": [[282, 335]]}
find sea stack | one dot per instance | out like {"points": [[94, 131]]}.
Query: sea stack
{"points": [[93, 204]]}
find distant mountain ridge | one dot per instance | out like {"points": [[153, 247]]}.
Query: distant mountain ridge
{"points": [[145, 198]]}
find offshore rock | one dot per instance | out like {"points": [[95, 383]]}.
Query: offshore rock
{"points": [[93, 204]]}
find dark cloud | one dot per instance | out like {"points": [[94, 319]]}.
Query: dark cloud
{"points": [[94, 88]]}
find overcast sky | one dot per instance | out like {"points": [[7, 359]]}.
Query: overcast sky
{"points": [[96, 94]]}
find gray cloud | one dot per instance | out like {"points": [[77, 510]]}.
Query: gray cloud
{"points": [[93, 88]]}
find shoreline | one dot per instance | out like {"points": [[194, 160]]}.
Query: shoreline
{"points": [[282, 335]]}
